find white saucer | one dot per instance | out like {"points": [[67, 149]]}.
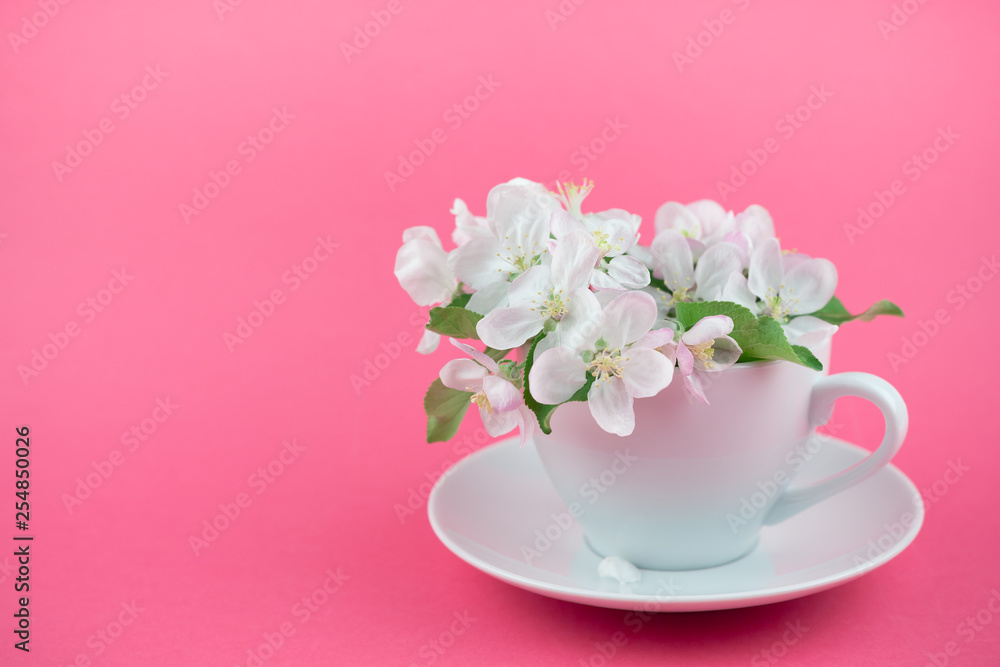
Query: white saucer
{"points": [[488, 507]]}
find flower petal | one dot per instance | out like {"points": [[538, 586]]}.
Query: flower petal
{"points": [[562, 224], [556, 375], [756, 223], [428, 342], [602, 282], [628, 318], [573, 260], [422, 270], [580, 328], [531, 288], [629, 271], [765, 269], [737, 291], [726, 352], [655, 338], [519, 188], [645, 372], [422, 232], [697, 248], [463, 375], [669, 350], [522, 225], [642, 254], [673, 259], [693, 385], [498, 423], [477, 263], [708, 328], [502, 394], [507, 328], [664, 304], [808, 286], [741, 241], [526, 422], [808, 331], [620, 234], [685, 360], [483, 360], [789, 260], [633, 220], [713, 217], [611, 406], [489, 298], [714, 268], [467, 226], [675, 215]]}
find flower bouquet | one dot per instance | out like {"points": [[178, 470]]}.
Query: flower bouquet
{"points": [[589, 314]]}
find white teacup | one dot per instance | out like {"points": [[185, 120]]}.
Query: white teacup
{"points": [[692, 486]]}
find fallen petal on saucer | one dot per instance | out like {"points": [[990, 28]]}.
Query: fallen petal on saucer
{"points": [[619, 569]]}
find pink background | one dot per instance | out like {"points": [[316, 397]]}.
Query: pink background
{"points": [[332, 508]]}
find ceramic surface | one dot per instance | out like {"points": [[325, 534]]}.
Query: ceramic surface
{"points": [[497, 510]]}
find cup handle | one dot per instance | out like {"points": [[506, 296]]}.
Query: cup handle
{"points": [[824, 394]]}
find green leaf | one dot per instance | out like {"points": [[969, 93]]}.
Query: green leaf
{"points": [[689, 314], [461, 300], [445, 409], [760, 338], [807, 358], [768, 342], [454, 321], [543, 411], [835, 313]]}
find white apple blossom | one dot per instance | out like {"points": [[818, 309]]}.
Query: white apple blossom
{"points": [[704, 348], [674, 262], [422, 267], [422, 270], [467, 225], [612, 237], [703, 222], [555, 294], [792, 284], [500, 402], [614, 233], [786, 286], [517, 217], [622, 360], [751, 228], [537, 273]]}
